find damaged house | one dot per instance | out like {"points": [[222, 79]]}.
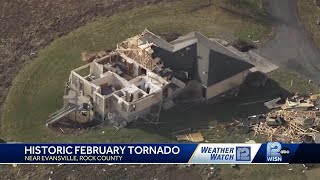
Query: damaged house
{"points": [[146, 72]]}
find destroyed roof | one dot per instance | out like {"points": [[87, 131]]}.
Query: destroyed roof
{"points": [[220, 65]]}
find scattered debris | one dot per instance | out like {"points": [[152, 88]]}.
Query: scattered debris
{"points": [[87, 57], [307, 166], [256, 119], [298, 120], [62, 130], [118, 129], [14, 165], [275, 103], [274, 121], [314, 97], [194, 137], [303, 105], [32, 53]]}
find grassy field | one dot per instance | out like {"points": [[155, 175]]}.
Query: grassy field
{"points": [[37, 90], [309, 14]]}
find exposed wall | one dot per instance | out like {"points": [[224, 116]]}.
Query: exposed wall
{"points": [[226, 85], [81, 84], [120, 82], [131, 110], [99, 105], [118, 107], [96, 69], [87, 89], [108, 78], [148, 101]]}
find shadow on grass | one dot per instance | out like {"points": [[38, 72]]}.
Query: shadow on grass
{"points": [[248, 102]]}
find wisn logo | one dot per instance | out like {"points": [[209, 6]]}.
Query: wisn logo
{"points": [[275, 152]]}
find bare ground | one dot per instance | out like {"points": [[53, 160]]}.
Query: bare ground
{"points": [[28, 25]]}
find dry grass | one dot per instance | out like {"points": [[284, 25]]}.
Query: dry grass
{"points": [[309, 14]]}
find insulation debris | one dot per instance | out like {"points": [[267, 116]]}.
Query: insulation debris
{"points": [[193, 137], [275, 103]]}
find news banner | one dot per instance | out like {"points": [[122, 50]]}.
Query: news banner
{"points": [[203, 153]]}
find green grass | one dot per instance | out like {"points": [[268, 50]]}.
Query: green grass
{"points": [[309, 14], [37, 90], [84, 72], [299, 84]]}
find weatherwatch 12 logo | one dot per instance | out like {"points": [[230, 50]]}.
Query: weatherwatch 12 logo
{"points": [[275, 152], [243, 153]]}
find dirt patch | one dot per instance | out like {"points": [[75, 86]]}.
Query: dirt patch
{"points": [[26, 26], [242, 45], [69, 127]]}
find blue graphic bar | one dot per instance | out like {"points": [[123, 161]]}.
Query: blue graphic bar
{"points": [[204, 153], [96, 153]]}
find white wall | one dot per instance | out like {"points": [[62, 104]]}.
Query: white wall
{"points": [[108, 78], [147, 102], [96, 69]]}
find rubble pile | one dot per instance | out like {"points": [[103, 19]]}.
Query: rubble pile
{"points": [[89, 57], [297, 119]]}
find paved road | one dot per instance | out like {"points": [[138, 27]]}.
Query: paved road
{"points": [[291, 47]]}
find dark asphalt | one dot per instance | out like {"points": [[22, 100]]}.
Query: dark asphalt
{"points": [[291, 46]]}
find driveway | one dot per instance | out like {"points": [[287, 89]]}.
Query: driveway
{"points": [[291, 47]]}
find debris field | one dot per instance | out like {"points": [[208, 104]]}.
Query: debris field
{"points": [[297, 119]]}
